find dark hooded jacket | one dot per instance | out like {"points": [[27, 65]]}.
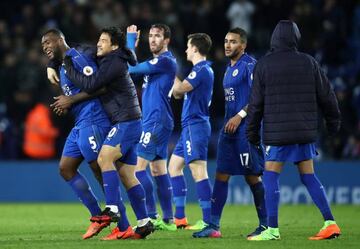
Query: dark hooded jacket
{"points": [[120, 100], [288, 91]]}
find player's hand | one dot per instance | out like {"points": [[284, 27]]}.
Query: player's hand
{"points": [[62, 102], [52, 76], [133, 29], [232, 124], [60, 112]]}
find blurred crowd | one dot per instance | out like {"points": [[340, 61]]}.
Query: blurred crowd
{"points": [[330, 32]]}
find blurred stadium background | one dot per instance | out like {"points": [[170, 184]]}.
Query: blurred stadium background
{"points": [[330, 32]]}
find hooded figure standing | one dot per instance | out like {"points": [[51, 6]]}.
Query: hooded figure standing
{"points": [[289, 90]]}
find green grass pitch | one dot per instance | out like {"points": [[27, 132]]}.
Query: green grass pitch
{"points": [[33, 226]]}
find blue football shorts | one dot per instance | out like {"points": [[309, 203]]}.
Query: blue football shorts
{"points": [[235, 156], [291, 153], [127, 135], [193, 142], [85, 142], [153, 144]]}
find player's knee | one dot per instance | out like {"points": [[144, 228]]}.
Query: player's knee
{"points": [[199, 174], [222, 177], [174, 171], [128, 177], [252, 180], [158, 170], [107, 158], [66, 172]]}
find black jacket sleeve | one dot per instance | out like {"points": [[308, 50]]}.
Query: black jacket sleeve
{"points": [[110, 68], [327, 101], [256, 108]]}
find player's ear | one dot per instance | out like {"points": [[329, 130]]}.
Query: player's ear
{"points": [[113, 47]]}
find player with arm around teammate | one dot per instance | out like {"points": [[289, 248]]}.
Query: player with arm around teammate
{"points": [[91, 126], [118, 151]]}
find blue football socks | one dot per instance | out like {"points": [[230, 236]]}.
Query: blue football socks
{"points": [[136, 196], [82, 189], [317, 193], [147, 184], [204, 194], [111, 187], [164, 191], [272, 196], [259, 201], [218, 200], [179, 192]]}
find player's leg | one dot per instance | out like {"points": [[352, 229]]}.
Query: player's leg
{"points": [[316, 190], [218, 200], [164, 191], [199, 173], [196, 139], [258, 191], [145, 180], [272, 198], [107, 156], [176, 166], [136, 195], [95, 168], [126, 165], [70, 161], [69, 171], [88, 141]]}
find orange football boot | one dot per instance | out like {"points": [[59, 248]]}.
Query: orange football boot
{"points": [[94, 229], [117, 234], [328, 231], [181, 223]]}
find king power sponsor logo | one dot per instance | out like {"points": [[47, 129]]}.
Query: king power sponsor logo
{"points": [[299, 195]]}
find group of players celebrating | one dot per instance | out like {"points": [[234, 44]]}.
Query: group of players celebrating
{"points": [[119, 139]]}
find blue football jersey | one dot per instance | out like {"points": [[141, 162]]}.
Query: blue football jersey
{"points": [[86, 112], [156, 90], [237, 85], [197, 101], [159, 75]]}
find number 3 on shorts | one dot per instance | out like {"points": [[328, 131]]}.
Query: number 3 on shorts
{"points": [[188, 147]]}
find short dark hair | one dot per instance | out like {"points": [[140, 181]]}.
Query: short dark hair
{"points": [[54, 31], [117, 36], [241, 32], [202, 41], [164, 28]]}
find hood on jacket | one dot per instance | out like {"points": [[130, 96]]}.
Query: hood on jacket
{"points": [[128, 55], [286, 35]]}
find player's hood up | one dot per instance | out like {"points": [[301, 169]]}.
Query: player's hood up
{"points": [[286, 35], [128, 55]]}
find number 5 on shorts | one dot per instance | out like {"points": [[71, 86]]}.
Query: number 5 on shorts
{"points": [[93, 143]]}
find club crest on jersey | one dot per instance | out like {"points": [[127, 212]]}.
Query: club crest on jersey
{"points": [[192, 75], [235, 72], [88, 70], [154, 61]]}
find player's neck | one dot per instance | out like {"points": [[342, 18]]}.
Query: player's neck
{"points": [[197, 59], [64, 49], [160, 52], [236, 58]]}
